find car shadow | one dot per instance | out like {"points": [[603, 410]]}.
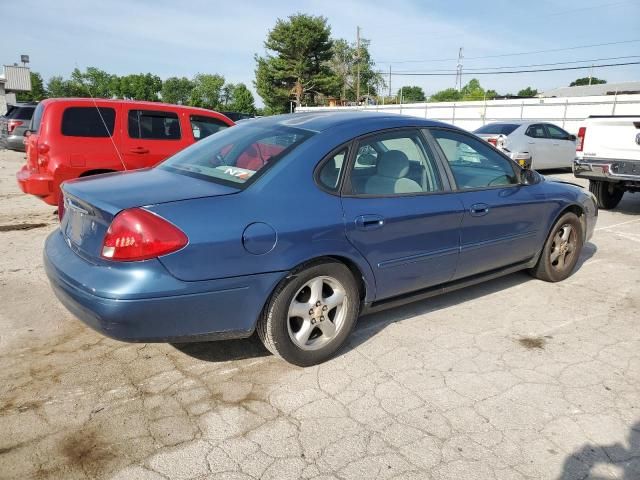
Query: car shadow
{"points": [[630, 204], [368, 325], [581, 463]]}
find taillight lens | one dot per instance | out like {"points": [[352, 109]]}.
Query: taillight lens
{"points": [[580, 140], [493, 141], [11, 126], [137, 234]]}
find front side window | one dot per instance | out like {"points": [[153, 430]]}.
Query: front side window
{"points": [[329, 175], [154, 125], [474, 163], [536, 131], [202, 126], [394, 163], [84, 121], [557, 133], [236, 155]]}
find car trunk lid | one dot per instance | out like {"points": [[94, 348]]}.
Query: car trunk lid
{"points": [[90, 204]]}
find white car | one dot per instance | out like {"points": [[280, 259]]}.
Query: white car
{"points": [[546, 144]]}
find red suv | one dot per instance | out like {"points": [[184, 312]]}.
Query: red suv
{"points": [[77, 137]]}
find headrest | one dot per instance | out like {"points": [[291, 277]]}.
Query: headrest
{"points": [[393, 163]]}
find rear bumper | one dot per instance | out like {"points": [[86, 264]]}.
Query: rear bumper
{"points": [[608, 170], [142, 302], [38, 184]]}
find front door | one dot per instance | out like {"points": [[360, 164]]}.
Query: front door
{"points": [[501, 222], [400, 213], [151, 136], [564, 149]]}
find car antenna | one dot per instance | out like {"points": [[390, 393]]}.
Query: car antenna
{"points": [[95, 104]]}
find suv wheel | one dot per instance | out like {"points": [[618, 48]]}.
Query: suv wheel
{"points": [[608, 194], [561, 250], [310, 315]]}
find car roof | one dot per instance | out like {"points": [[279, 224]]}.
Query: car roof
{"points": [[321, 121], [117, 101]]}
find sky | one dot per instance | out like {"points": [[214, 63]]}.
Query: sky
{"points": [[170, 38]]}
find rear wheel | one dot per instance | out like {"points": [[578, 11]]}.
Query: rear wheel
{"points": [[608, 194], [561, 250], [310, 315]]}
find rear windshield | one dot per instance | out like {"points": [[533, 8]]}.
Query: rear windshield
{"points": [[20, 113], [237, 155], [37, 118], [498, 128]]}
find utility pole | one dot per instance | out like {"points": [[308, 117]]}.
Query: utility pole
{"points": [[357, 65], [590, 74], [459, 70], [389, 80]]}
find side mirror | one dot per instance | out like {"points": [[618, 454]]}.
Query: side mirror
{"points": [[528, 177], [571, 138]]}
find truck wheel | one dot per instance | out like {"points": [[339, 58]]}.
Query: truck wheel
{"points": [[607, 193], [561, 250], [310, 314]]}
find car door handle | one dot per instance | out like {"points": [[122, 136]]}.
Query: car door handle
{"points": [[139, 150], [479, 209], [369, 222]]}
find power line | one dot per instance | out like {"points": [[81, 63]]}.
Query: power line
{"points": [[431, 74], [516, 54], [472, 69]]}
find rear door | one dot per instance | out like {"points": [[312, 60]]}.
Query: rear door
{"points": [[540, 146], [151, 135], [503, 220], [562, 145], [400, 213]]}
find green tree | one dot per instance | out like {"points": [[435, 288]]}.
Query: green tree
{"points": [[412, 94], [176, 90], [207, 91], [242, 99], [140, 86], [296, 62], [447, 95], [344, 63], [97, 83], [585, 81], [57, 87], [37, 92], [473, 90], [528, 92]]}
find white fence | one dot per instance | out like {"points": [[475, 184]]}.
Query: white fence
{"points": [[566, 112]]}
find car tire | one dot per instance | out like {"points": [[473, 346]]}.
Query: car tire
{"points": [[607, 194], [304, 321], [561, 250]]}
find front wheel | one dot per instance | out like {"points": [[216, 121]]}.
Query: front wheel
{"points": [[608, 194], [310, 315], [561, 250]]}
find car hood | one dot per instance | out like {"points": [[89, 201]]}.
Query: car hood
{"points": [[116, 191]]}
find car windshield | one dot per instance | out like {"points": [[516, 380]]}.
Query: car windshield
{"points": [[236, 155], [497, 129]]}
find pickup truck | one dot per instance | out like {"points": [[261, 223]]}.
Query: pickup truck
{"points": [[608, 155]]}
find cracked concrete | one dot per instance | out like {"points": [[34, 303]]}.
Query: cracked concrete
{"points": [[512, 379]]}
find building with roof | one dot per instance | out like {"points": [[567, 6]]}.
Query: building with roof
{"points": [[622, 88], [14, 78]]}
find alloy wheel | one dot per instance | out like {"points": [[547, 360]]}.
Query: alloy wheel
{"points": [[563, 247]]}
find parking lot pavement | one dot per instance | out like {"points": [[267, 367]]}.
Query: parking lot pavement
{"points": [[512, 379]]}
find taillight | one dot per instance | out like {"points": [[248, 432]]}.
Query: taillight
{"points": [[580, 140], [11, 126], [137, 234], [60, 205], [493, 141], [43, 148]]}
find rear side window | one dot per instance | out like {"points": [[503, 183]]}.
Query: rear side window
{"points": [[88, 121], [21, 113], [497, 129], [202, 126], [536, 131], [154, 125]]}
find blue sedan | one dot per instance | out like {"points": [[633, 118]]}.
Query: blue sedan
{"points": [[295, 225]]}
